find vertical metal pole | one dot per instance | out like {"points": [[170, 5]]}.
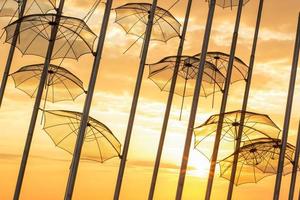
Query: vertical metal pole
{"points": [[196, 96], [245, 101], [87, 104], [287, 113], [135, 100], [38, 99], [11, 54], [224, 103], [295, 166], [170, 100]]}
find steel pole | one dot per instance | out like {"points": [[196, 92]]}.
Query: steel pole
{"points": [[11, 54], [287, 114], [189, 134], [224, 103], [295, 166], [38, 99], [135, 100], [169, 102], [87, 104], [245, 101]]}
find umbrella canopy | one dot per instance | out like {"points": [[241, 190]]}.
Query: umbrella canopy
{"points": [[257, 160], [161, 74], [229, 3], [11, 8], [133, 18], [100, 144], [256, 126], [73, 40], [61, 85], [221, 60]]}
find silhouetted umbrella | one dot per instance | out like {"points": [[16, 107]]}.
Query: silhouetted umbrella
{"points": [[161, 73], [257, 160], [73, 40], [100, 144], [11, 8], [229, 3], [61, 84], [255, 126], [221, 60], [133, 18]]}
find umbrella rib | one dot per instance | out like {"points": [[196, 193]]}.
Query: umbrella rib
{"points": [[27, 79], [98, 145], [66, 42], [52, 126], [65, 137], [31, 42]]}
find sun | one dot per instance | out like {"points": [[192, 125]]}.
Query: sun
{"points": [[199, 165]]}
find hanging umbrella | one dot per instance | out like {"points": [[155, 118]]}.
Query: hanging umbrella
{"points": [[221, 60], [255, 126], [11, 8], [161, 74], [133, 18], [257, 160], [229, 3], [73, 40], [61, 84], [100, 144]]}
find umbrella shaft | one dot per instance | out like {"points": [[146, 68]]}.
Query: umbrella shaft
{"points": [[170, 100], [287, 113], [11, 54], [245, 102], [295, 166], [135, 100], [87, 104], [37, 103], [224, 102], [190, 128]]}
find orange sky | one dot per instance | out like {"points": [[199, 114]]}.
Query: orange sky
{"points": [[47, 169]]}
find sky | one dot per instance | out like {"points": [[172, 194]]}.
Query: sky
{"points": [[48, 166]]}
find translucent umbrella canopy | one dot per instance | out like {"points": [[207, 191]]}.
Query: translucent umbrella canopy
{"points": [[100, 144], [221, 60], [133, 18], [11, 8], [73, 40], [61, 85], [255, 126], [229, 3], [257, 160], [161, 74]]}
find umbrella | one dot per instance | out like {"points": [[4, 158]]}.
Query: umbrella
{"points": [[62, 85], [11, 8], [133, 18], [100, 144], [257, 160], [229, 3], [256, 125], [73, 40], [221, 60], [161, 73]]}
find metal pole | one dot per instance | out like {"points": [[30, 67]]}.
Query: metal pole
{"points": [[196, 96], [224, 103], [38, 98], [170, 100], [135, 99], [11, 54], [287, 114], [87, 104], [245, 101], [295, 166]]}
